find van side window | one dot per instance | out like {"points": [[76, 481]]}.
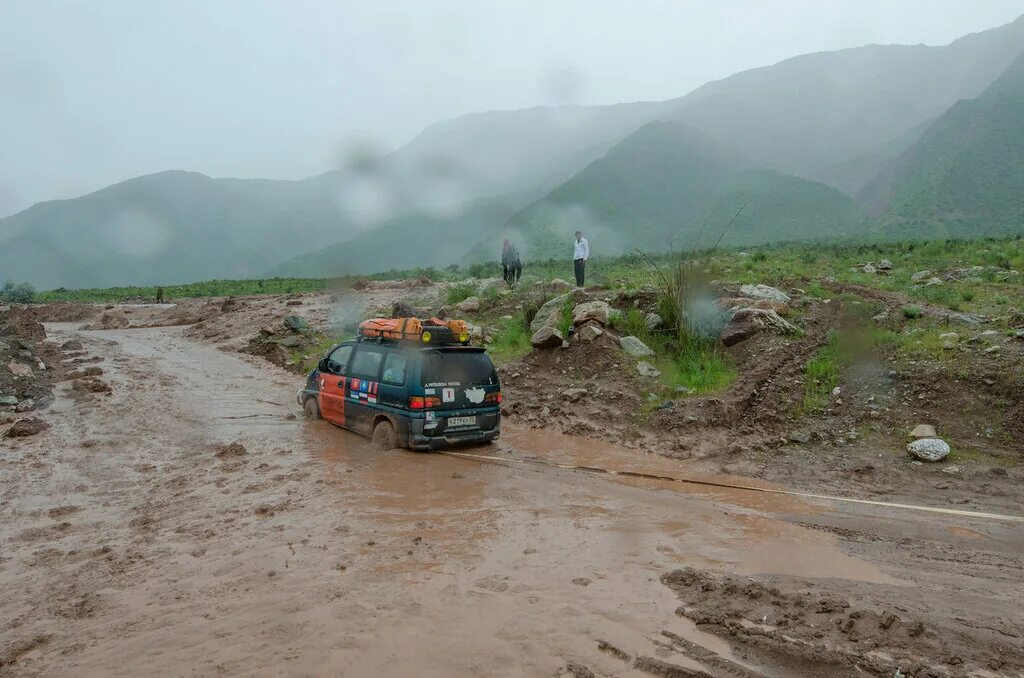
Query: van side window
{"points": [[366, 363], [394, 368], [338, 360]]}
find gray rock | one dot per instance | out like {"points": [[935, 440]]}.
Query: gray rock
{"points": [[559, 285], [653, 321], [291, 341], [885, 265], [469, 305], [747, 322], [920, 276], [9, 401], [931, 282], [635, 347], [645, 369], [547, 337], [929, 449], [762, 291], [589, 333], [952, 469], [870, 269], [549, 313], [25, 405], [799, 437], [489, 284], [296, 324], [596, 311]]}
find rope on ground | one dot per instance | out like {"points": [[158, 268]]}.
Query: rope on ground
{"points": [[735, 486]]}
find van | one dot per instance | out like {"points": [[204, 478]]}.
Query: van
{"points": [[420, 387]]}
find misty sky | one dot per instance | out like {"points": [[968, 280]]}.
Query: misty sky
{"points": [[95, 92]]}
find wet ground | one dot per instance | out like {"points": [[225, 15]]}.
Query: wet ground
{"points": [[136, 541]]}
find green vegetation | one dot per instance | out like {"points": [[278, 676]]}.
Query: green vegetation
{"points": [[511, 340], [912, 312], [20, 293], [821, 374], [209, 288], [460, 292]]}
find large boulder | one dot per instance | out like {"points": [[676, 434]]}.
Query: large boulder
{"points": [[469, 305], [547, 337], [762, 291], [635, 347], [747, 322], [653, 321], [590, 311], [549, 313], [929, 449], [491, 284]]}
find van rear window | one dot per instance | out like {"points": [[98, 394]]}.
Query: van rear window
{"points": [[458, 368]]}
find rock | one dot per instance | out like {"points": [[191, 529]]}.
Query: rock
{"points": [[28, 426], [113, 321], [885, 265], [767, 304], [294, 302], [799, 437], [683, 390], [920, 276], [635, 347], [747, 322], [653, 321], [931, 282], [548, 314], [951, 469], [992, 349], [19, 369], [951, 336], [491, 284], [948, 345], [1018, 334], [923, 431], [296, 324], [546, 337], [469, 305], [762, 291], [291, 341], [8, 401], [589, 332], [25, 405], [91, 386], [71, 345], [596, 311], [929, 449], [574, 394], [647, 370], [558, 285], [870, 269]]}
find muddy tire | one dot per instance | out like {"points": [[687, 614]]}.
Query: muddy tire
{"points": [[384, 435], [311, 408]]}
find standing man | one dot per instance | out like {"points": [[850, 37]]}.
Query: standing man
{"points": [[511, 264], [580, 254]]}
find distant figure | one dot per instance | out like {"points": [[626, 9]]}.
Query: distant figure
{"points": [[159, 295], [580, 254], [511, 265]]}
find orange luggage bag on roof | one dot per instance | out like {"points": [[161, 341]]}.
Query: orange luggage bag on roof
{"points": [[392, 328]]}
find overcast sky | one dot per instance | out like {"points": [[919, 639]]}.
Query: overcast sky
{"points": [[95, 92]]}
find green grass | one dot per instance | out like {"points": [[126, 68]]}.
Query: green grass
{"points": [[912, 312], [460, 292], [565, 316], [209, 288], [511, 340], [698, 365], [821, 374]]}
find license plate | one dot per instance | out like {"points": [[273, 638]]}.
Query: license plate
{"points": [[461, 421]]}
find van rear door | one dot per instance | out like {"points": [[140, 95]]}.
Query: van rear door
{"points": [[461, 377]]}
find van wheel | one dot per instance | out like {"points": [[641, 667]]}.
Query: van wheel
{"points": [[384, 435], [311, 408]]}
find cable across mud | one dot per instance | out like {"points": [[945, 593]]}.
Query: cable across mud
{"points": [[735, 486]]}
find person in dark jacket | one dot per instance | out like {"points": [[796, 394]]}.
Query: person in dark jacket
{"points": [[511, 264]]}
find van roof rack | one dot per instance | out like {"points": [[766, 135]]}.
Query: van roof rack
{"points": [[434, 331]]}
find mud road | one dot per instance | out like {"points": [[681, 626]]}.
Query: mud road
{"points": [[189, 524]]}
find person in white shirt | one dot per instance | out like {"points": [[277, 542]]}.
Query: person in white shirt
{"points": [[580, 254]]}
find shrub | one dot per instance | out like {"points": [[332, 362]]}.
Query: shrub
{"points": [[967, 295], [22, 293], [459, 292], [912, 312]]}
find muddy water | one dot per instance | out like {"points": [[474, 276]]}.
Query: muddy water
{"points": [[316, 555]]}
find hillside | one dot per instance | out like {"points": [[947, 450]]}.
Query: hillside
{"points": [[165, 228], [833, 117], [408, 241], [965, 176], [670, 186]]}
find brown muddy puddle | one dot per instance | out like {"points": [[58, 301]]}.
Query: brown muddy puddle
{"points": [[534, 563]]}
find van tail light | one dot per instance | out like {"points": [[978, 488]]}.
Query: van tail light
{"points": [[493, 398], [424, 402]]}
